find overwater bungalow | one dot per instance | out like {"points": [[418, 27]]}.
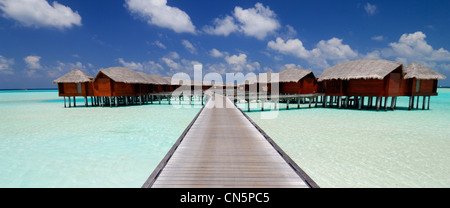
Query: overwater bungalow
{"points": [[297, 81], [73, 84], [347, 84], [290, 81], [421, 81], [119, 84]]}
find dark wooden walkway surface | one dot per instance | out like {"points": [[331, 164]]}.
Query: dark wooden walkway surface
{"points": [[223, 148]]}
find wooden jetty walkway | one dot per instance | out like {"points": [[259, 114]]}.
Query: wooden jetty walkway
{"points": [[223, 148]]}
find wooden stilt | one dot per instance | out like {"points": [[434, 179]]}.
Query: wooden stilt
{"points": [[324, 101], [287, 106], [92, 101], [64, 101], [385, 103], [423, 102], [392, 103], [315, 100], [410, 102], [86, 101], [70, 105], [248, 105], [110, 101], [417, 102], [359, 103], [116, 101], [362, 101], [262, 105], [347, 101], [339, 102], [378, 103], [309, 102], [74, 102], [428, 107]]}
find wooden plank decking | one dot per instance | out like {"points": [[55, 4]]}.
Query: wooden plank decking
{"points": [[223, 148]]}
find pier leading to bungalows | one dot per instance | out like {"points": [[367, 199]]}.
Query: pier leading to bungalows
{"points": [[222, 147]]}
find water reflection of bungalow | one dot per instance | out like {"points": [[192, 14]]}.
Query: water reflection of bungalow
{"points": [[73, 84]]}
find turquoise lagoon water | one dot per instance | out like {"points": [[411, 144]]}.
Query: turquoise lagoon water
{"points": [[352, 148], [43, 144]]}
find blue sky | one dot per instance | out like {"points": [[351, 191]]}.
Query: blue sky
{"points": [[41, 40]]}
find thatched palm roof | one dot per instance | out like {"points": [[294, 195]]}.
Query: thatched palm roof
{"points": [[415, 70], [293, 75], [148, 78], [360, 69], [288, 75], [159, 79], [125, 75], [75, 76]]}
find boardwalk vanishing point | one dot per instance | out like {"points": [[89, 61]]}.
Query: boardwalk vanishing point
{"points": [[224, 148]]}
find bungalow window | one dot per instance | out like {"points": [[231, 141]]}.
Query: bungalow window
{"points": [[79, 88], [418, 85]]}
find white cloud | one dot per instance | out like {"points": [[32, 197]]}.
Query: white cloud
{"points": [[234, 59], [188, 45], [257, 22], [173, 55], [331, 50], [160, 45], [335, 50], [39, 13], [291, 47], [33, 62], [223, 26], [150, 67], [371, 9], [5, 65], [413, 47], [170, 63], [60, 69], [216, 53], [158, 13], [378, 38], [373, 55], [131, 65], [291, 66]]}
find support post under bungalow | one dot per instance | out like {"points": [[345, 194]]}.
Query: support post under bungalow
{"points": [[64, 101], [417, 103], [315, 99], [248, 105], [339, 102], [428, 107], [360, 103], [324, 101], [310, 100], [423, 103], [70, 104], [116, 101], [385, 103], [85, 101], [378, 103], [410, 102], [392, 103], [74, 102], [110, 101]]}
